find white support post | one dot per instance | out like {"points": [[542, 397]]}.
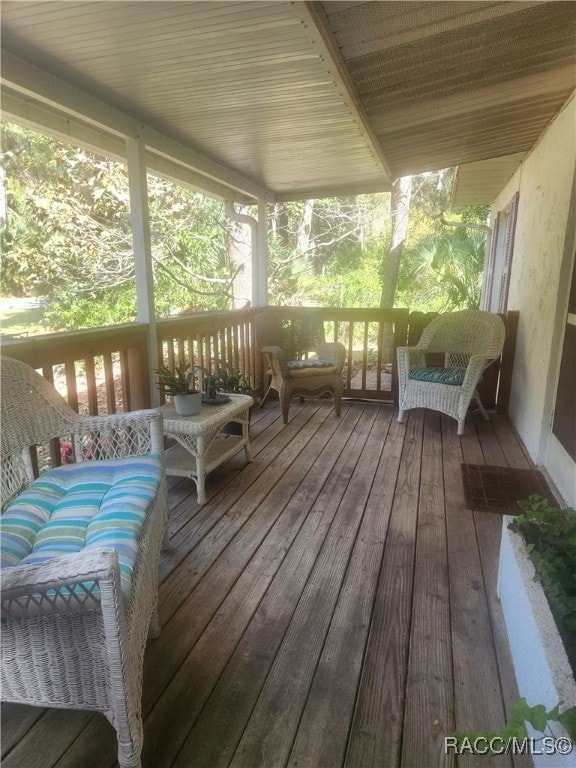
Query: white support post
{"points": [[260, 273], [136, 156]]}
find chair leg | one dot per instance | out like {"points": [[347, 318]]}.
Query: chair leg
{"points": [[480, 406], [461, 427], [285, 407], [130, 738], [401, 416], [154, 626], [261, 403], [338, 404]]}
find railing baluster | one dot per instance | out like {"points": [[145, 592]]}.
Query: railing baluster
{"points": [[109, 382], [71, 391], [91, 386]]}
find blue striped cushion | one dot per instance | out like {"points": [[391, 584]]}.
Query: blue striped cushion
{"points": [[90, 505], [314, 362], [438, 375]]}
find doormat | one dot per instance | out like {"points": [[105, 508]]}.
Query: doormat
{"points": [[498, 489]]}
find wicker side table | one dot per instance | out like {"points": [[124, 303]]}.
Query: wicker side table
{"points": [[201, 446]]}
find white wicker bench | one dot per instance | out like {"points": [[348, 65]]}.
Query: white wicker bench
{"points": [[80, 551]]}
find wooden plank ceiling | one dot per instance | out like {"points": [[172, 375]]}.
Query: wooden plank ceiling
{"points": [[314, 98], [446, 83]]}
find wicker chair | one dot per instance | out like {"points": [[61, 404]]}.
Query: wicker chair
{"points": [[77, 607], [301, 362], [470, 340]]}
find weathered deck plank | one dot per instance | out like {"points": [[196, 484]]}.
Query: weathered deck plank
{"points": [[322, 733], [333, 604], [429, 713], [473, 653], [219, 728], [376, 733]]}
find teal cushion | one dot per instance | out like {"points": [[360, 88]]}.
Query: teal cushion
{"points": [[313, 363], [438, 375], [91, 505]]}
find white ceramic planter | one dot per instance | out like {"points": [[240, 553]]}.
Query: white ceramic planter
{"points": [[543, 673], [188, 404]]}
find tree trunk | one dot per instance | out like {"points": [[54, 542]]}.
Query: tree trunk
{"points": [[303, 244], [240, 259], [400, 208]]}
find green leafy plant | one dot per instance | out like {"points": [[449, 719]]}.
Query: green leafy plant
{"points": [[176, 381], [232, 380], [538, 717], [550, 536]]}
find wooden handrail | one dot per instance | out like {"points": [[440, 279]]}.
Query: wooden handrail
{"points": [[112, 361], [107, 369]]}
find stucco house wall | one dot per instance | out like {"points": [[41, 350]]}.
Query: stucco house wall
{"points": [[542, 261]]}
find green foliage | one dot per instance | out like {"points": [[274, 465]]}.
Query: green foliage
{"points": [[67, 233], [177, 380], [453, 262], [441, 268], [336, 261], [550, 536], [352, 280], [189, 234], [232, 380], [538, 717], [68, 238], [91, 308]]}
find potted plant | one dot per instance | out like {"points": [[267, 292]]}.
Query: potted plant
{"points": [[229, 380], [178, 383]]}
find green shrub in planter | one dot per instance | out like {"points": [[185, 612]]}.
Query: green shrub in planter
{"points": [[550, 536], [231, 380]]}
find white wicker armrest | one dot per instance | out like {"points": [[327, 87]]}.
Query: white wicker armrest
{"points": [[63, 584], [416, 357], [146, 423], [474, 369], [411, 357]]}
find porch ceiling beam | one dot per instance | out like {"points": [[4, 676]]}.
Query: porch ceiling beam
{"points": [[313, 21], [40, 85], [214, 171], [348, 191], [174, 171], [31, 113], [37, 84]]}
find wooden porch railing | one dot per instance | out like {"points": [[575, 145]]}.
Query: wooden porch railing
{"points": [[105, 370], [98, 371], [210, 339]]}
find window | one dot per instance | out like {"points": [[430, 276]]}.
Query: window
{"points": [[497, 284]]}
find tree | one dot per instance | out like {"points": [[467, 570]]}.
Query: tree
{"points": [[456, 256], [318, 248], [67, 236], [391, 258]]}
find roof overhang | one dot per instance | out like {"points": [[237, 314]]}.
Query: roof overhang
{"points": [[479, 183], [284, 100]]}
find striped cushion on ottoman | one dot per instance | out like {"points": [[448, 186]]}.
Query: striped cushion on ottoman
{"points": [[91, 505]]}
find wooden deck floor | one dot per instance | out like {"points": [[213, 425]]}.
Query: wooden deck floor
{"points": [[333, 604]]}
